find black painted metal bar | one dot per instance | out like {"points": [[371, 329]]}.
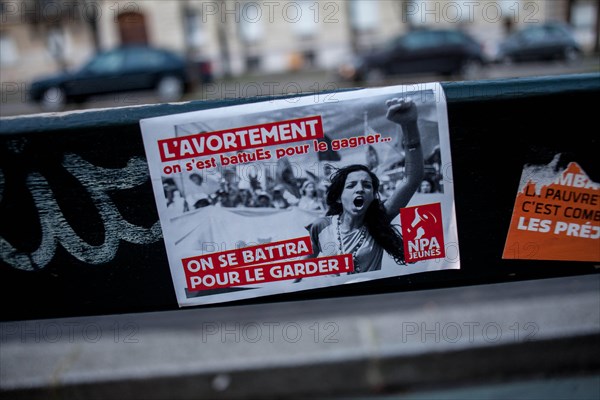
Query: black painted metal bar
{"points": [[79, 232]]}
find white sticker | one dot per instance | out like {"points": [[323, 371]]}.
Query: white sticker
{"points": [[302, 193]]}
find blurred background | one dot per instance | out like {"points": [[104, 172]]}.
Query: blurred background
{"points": [[75, 54]]}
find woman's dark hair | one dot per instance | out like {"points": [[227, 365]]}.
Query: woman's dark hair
{"points": [[431, 184], [376, 220], [198, 177]]}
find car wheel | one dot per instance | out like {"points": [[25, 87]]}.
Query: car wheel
{"points": [[507, 61], [374, 76], [571, 55], [471, 69], [169, 88], [53, 99]]}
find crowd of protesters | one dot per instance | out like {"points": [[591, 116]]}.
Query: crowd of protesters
{"points": [[306, 193]]}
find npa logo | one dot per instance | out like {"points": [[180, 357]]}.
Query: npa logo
{"points": [[422, 232]]}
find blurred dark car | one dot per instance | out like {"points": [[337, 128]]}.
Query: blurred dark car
{"points": [[551, 41], [124, 69], [445, 52]]}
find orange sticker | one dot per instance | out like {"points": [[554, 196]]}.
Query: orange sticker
{"points": [[556, 216]]}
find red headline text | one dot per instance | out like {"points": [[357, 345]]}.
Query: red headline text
{"points": [[279, 271], [236, 139]]}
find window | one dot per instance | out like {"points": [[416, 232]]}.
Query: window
{"points": [[194, 28], [251, 25], [8, 50], [455, 38], [303, 17], [107, 63], [144, 58], [420, 40], [364, 15]]}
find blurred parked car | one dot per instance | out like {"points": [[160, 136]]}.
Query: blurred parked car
{"points": [[124, 69], [446, 52], [551, 41]]}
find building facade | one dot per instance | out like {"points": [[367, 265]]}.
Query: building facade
{"points": [[240, 36]]}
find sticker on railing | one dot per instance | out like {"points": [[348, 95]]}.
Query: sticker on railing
{"points": [[306, 192], [556, 215]]}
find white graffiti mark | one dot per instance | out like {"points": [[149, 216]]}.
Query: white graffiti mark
{"points": [[56, 229], [1, 184]]}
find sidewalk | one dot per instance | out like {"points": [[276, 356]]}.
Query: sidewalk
{"points": [[395, 344]]}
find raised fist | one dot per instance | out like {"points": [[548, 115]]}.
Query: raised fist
{"points": [[401, 111]]}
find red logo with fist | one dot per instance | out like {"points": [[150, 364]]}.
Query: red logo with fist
{"points": [[423, 232]]}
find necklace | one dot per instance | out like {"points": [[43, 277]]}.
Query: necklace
{"points": [[363, 235]]}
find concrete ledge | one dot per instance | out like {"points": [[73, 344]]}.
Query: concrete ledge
{"points": [[360, 345]]}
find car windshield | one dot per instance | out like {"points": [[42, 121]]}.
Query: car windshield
{"points": [[420, 40], [144, 58], [426, 39], [457, 37], [539, 33], [106, 63], [393, 43], [533, 34]]}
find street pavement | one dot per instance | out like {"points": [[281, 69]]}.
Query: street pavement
{"points": [[14, 102]]}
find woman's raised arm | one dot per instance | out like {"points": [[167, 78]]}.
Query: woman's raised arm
{"points": [[404, 113]]}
